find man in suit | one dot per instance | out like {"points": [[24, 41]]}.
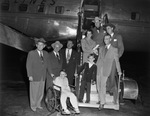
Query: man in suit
{"points": [[98, 32], [37, 67], [117, 42], [69, 61], [55, 62], [107, 55]]}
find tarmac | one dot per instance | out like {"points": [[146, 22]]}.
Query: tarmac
{"points": [[14, 101]]}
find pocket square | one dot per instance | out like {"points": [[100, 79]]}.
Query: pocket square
{"points": [[115, 39]]}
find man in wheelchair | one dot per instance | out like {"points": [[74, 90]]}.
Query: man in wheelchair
{"points": [[62, 82]]}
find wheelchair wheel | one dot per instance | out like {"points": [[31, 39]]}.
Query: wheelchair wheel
{"points": [[50, 100]]}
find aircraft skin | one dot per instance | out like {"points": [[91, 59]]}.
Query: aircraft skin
{"points": [[59, 18]]}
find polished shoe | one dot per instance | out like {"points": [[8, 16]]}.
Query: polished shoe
{"points": [[101, 106], [40, 107], [33, 109], [98, 102], [81, 101], [87, 101]]}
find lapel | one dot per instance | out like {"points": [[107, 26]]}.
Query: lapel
{"points": [[109, 51]]}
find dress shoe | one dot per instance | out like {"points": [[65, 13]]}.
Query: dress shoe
{"points": [[101, 106], [33, 109], [98, 102], [40, 107], [81, 101], [87, 101]]}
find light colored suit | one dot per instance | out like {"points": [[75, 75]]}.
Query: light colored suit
{"points": [[104, 67]]}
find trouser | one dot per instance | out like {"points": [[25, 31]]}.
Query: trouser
{"points": [[102, 89], [98, 85], [112, 82], [85, 86], [36, 93], [73, 100]]}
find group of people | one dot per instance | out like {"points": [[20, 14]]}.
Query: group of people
{"points": [[107, 47], [102, 49], [56, 67]]}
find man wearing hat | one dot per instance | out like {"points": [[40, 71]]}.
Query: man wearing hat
{"points": [[117, 42], [98, 32], [37, 67], [55, 62]]}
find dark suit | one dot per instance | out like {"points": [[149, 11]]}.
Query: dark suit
{"points": [[89, 74], [70, 67], [116, 42], [56, 67], [98, 36]]}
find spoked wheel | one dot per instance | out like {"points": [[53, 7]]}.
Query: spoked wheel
{"points": [[50, 104], [50, 100]]}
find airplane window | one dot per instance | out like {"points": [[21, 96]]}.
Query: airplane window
{"points": [[135, 15], [41, 8], [4, 6], [59, 9], [23, 7]]}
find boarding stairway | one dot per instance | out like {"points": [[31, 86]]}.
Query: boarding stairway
{"points": [[94, 99]]}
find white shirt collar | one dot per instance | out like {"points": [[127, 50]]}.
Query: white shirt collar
{"points": [[112, 34], [55, 53], [39, 52], [108, 46]]}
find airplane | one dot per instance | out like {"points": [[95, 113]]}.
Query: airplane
{"points": [[59, 19], [22, 20]]}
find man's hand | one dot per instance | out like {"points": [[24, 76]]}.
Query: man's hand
{"points": [[52, 75], [75, 74], [120, 74], [93, 82], [30, 78]]}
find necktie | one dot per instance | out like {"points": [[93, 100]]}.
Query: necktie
{"points": [[106, 49], [68, 56], [57, 55], [41, 55]]}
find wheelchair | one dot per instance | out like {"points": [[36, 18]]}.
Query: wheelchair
{"points": [[52, 101]]}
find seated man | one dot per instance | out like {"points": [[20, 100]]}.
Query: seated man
{"points": [[62, 81]]}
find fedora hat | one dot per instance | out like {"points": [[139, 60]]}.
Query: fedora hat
{"points": [[97, 19], [57, 44], [110, 25], [42, 40]]}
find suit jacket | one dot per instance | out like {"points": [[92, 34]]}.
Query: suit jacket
{"points": [[70, 67], [55, 64], [89, 73], [117, 42], [35, 67], [87, 47], [98, 37], [105, 60]]}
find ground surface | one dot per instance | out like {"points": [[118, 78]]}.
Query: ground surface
{"points": [[14, 102]]}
